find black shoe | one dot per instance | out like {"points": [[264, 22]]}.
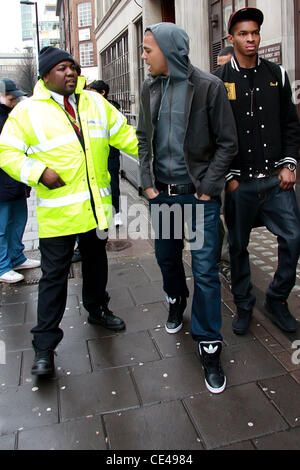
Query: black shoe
{"points": [[278, 312], [107, 319], [176, 308], [76, 256], [43, 364], [241, 321], [210, 352]]}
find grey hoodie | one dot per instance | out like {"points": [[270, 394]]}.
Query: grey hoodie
{"points": [[169, 165]]}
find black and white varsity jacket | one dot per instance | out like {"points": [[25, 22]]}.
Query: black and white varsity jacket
{"points": [[270, 103]]}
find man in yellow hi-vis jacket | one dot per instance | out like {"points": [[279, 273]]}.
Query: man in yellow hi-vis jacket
{"points": [[58, 141]]}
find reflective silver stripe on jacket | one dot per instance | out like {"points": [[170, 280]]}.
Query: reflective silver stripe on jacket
{"points": [[26, 169], [98, 133], [71, 199], [118, 124], [98, 100], [52, 144], [105, 191], [13, 141]]}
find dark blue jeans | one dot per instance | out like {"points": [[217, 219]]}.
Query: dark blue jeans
{"points": [[279, 212], [202, 220]]}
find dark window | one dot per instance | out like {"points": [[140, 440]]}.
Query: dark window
{"points": [[115, 71], [168, 11], [140, 62], [219, 14]]}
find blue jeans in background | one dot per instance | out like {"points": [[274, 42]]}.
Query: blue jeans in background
{"points": [[13, 218]]}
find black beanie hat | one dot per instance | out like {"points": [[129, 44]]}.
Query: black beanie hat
{"points": [[50, 56]]}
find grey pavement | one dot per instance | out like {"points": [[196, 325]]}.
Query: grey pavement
{"points": [[143, 389]]}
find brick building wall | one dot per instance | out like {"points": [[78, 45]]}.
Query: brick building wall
{"points": [[77, 35]]}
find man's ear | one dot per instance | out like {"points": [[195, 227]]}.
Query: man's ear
{"points": [[230, 38], [46, 77]]}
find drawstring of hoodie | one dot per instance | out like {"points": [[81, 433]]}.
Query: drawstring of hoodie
{"points": [[164, 91]]}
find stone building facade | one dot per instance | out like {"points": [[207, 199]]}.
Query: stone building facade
{"points": [[119, 31]]}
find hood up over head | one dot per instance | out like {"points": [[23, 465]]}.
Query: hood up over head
{"points": [[175, 45]]}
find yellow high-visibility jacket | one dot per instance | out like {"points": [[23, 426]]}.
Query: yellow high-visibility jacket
{"points": [[39, 135]]}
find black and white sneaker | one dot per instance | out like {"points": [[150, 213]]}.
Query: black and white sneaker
{"points": [[210, 352], [176, 308]]}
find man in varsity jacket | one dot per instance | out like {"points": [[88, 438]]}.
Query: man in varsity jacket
{"points": [[261, 178]]}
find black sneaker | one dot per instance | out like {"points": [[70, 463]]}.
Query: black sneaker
{"points": [[241, 321], [176, 308], [107, 319], [278, 312], [210, 352], [43, 364]]}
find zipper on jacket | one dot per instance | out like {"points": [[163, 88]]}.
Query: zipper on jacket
{"points": [[169, 146], [252, 102], [86, 166]]}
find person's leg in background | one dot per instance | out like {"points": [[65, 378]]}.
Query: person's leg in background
{"points": [[76, 255], [12, 226], [114, 169], [19, 215]]}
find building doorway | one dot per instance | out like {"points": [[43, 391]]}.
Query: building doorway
{"points": [[168, 11], [219, 14]]}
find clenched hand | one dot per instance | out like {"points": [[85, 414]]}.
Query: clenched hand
{"points": [[51, 179]]}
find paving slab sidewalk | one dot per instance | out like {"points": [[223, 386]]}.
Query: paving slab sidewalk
{"points": [[143, 389]]}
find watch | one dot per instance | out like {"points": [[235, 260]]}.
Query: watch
{"points": [[290, 166]]}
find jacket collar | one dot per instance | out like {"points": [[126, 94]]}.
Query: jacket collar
{"points": [[41, 92], [236, 66]]}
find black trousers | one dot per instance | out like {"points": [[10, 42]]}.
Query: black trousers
{"points": [[56, 255], [279, 212]]}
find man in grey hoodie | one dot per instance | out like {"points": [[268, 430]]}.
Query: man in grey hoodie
{"points": [[187, 140]]}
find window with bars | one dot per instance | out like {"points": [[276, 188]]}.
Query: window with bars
{"points": [[140, 62], [86, 52], [115, 72], [219, 14], [84, 14]]}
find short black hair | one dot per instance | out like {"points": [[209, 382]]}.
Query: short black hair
{"points": [[226, 51], [100, 85]]}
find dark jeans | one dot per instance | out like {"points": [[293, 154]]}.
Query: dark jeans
{"points": [[202, 219], [56, 255], [279, 212]]}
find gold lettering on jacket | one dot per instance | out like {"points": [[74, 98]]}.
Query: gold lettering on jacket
{"points": [[231, 90]]}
